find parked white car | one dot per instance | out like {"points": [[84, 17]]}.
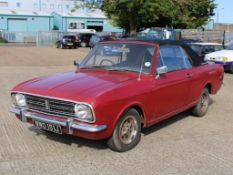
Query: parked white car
{"points": [[204, 48], [224, 57]]}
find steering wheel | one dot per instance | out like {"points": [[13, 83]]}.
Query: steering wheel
{"points": [[106, 60]]}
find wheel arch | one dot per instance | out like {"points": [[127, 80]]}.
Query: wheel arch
{"points": [[138, 107], [209, 87], [140, 111]]}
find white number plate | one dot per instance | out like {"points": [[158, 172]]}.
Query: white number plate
{"points": [[48, 127]]}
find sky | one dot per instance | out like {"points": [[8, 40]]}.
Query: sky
{"points": [[224, 11]]}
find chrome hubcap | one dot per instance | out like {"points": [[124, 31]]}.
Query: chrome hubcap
{"points": [[204, 102], [128, 130]]}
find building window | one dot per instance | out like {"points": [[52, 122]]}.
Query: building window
{"points": [[18, 4], [67, 7], [36, 6], [76, 25], [51, 6], [60, 7], [43, 6], [3, 4]]}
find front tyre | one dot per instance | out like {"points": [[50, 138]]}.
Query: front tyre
{"points": [[127, 132], [231, 69], [203, 104]]}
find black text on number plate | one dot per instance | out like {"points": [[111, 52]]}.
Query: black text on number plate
{"points": [[48, 127]]}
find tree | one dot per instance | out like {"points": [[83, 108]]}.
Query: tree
{"points": [[132, 15]]}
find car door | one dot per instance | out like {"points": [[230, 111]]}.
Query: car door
{"points": [[171, 90]]}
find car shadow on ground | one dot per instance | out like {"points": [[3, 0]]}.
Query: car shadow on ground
{"points": [[70, 140], [101, 144], [171, 120]]}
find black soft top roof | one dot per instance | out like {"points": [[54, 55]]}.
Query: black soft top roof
{"points": [[196, 59]]}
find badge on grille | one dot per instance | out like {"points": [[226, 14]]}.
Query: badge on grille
{"points": [[46, 105]]}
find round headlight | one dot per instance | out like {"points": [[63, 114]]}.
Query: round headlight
{"points": [[20, 100], [83, 112]]}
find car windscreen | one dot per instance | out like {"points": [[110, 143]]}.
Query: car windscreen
{"points": [[217, 48], [69, 37], [196, 48], [133, 57]]}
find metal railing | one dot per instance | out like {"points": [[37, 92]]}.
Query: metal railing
{"points": [[19, 37], [49, 38]]}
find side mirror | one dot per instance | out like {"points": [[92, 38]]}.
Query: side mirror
{"points": [[161, 70], [76, 63]]}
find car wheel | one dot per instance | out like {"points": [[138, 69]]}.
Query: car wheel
{"points": [[127, 132], [203, 104], [231, 69], [83, 44]]}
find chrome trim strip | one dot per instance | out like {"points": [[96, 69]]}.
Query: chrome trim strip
{"points": [[68, 123], [62, 99]]}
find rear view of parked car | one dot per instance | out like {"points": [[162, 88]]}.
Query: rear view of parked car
{"points": [[67, 41], [204, 48], [83, 39]]}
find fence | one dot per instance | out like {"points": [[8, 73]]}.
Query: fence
{"points": [[206, 36], [40, 38], [50, 38], [19, 37], [228, 38]]}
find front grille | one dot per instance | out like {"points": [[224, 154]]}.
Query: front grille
{"points": [[50, 106]]}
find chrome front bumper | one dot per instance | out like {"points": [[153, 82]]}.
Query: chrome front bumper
{"points": [[68, 123]]}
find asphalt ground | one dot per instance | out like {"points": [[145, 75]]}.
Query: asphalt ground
{"points": [[181, 145]]}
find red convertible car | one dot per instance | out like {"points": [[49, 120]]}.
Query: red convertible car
{"points": [[118, 89]]}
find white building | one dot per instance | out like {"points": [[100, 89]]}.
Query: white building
{"points": [[15, 16]]}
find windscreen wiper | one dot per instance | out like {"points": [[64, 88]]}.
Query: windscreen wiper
{"points": [[122, 69], [95, 67]]}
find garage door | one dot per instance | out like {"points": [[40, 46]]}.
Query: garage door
{"points": [[17, 25]]}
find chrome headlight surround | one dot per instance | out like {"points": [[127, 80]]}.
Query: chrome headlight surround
{"points": [[19, 100], [84, 112]]}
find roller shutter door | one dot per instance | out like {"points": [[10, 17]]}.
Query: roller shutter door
{"points": [[17, 25]]}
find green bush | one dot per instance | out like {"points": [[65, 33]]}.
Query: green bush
{"points": [[2, 40]]}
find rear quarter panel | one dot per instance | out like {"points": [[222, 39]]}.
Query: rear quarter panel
{"points": [[210, 75]]}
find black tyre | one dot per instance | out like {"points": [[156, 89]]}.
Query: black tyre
{"points": [[127, 132], [231, 69], [202, 106]]}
